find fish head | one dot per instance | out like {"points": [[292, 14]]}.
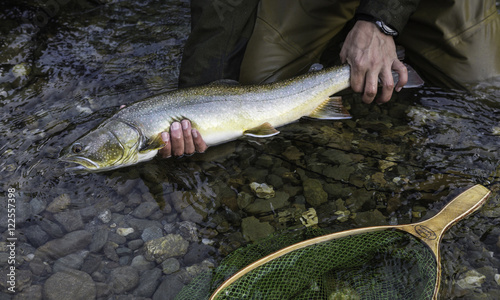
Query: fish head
{"points": [[112, 145]]}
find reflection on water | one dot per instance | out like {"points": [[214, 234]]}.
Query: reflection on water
{"points": [[392, 164]]}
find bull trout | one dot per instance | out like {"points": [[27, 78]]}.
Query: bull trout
{"points": [[219, 111]]}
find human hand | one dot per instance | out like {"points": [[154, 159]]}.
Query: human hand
{"points": [[372, 55], [182, 140]]}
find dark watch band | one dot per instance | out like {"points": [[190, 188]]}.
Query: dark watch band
{"points": [[384, 28]]}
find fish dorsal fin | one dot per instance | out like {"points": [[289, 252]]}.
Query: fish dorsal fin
{"points": [[264, 130], [330, 109], [225, 82], [153, 144]]}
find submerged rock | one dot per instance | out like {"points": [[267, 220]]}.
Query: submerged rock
{"points": [[123, 279], [254, 230], [262, 190], [314, 193], [165, 247], [69, 284]]}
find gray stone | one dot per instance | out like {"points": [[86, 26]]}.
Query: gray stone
{"points": [[141, 224], [151, 233], [168, 246], [103, 290], [70, 220], [145, 209], [33, 292], [110, 252], [314, 193], [149, 281], [23, 211], [170, 265], [38, 267], [59, 203], [254, 230], [71, 261], [194, 215], [135, 244], [105, 216], [51, 228], [37, 206], [99, 239], [140, 263], [169, 288], [116, 238], [123, 279], [88, 213], [198, 252], [122, 251], [189, 231], [69, 284], [70, 243], [91, 263], [36, 236]]}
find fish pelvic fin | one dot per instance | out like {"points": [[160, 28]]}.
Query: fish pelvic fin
{"points": [[330, 109], [153, 144], [262, 131]]}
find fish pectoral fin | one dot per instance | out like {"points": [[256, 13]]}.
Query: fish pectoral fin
{"points": [[264, 130], [330, 109], [153, 144]]}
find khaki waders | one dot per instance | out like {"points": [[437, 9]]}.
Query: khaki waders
{"points": [[448, 42]]}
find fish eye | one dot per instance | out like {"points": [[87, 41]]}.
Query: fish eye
{"points": [[77, 148]]}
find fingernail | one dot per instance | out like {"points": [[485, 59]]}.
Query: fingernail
{"points": [[185, 124], [194, 133], [175, 126], [398, 89], [165, 137]]}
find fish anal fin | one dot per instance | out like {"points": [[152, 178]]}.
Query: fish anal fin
{"points": [[330, 109], [261, 131], [153, 144]]}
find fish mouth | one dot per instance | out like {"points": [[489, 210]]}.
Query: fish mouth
{"points": [[84, 163]]}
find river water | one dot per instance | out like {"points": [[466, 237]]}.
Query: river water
{"points": [[66, 68]]}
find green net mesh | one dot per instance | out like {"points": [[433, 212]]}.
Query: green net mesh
{"points": [[388, 264]]}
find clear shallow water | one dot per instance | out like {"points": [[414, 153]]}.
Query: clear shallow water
{"points": [[390, 164]]}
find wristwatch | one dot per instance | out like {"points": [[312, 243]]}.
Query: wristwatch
{"points": [[384, 28]]}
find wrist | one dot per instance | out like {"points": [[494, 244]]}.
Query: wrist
{"points": [[384, 28]]}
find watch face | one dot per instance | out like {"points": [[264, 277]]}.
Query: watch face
{"points": [[386, 29]]}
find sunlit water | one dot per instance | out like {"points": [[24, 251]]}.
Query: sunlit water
{"points": [[391, 164]]}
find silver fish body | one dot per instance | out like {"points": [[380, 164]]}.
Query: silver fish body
{"points": [[220, 112]]}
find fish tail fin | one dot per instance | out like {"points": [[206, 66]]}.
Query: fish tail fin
{"points": [[330, 109]]}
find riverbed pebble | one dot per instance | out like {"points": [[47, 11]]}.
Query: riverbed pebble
{"points": [[69, 284], [159, 249]]}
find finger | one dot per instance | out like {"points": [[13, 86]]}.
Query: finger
{"points": [[358, 76], [370, 90], [199, 143], [387, 86], [166, 151], [177, 139], [188, 138], [402, 71]]}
